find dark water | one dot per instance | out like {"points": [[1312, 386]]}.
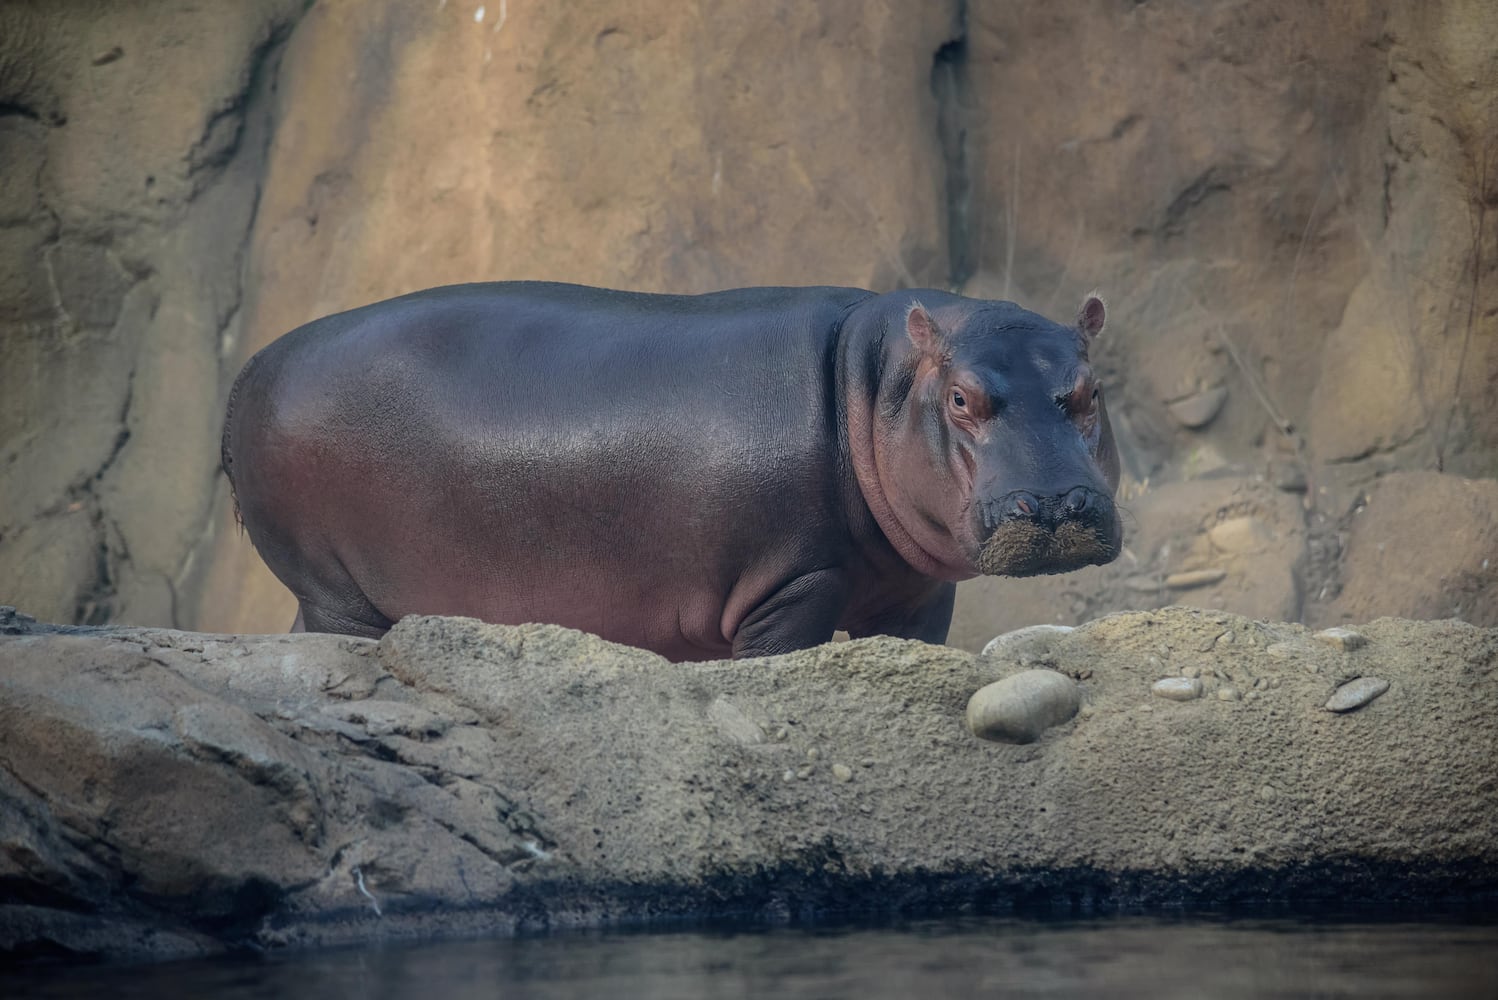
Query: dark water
{"points": [[1114, 957]]}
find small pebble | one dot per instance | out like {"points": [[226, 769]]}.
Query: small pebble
{"points": [[804, 771], [1355, 694], [781, 735], [1228, 694], [1268, 793], [789, 775], [842, 772], [867, 762], [1274, 682], [1020, 707], [1281, 650], [1344, 639], [1194, 578], [865, 807], [1290, 478], [1251, 696], [1178, 688], [1192, 671], [813, 754], [1260, 682], [1226, 639]]}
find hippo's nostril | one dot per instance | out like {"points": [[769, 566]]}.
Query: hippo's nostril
{"points": [[1077, 501], [1022, 504]]}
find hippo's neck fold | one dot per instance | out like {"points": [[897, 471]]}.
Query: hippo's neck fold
{"points": [[863, 360]]}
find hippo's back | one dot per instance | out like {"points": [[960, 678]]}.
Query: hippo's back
{"points": [[539, 452]]}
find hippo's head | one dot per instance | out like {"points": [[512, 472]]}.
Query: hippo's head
{"points": [[992, 446]]}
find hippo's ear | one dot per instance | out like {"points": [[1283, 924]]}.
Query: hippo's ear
{"points": [[923, 331], [1091, 316]]}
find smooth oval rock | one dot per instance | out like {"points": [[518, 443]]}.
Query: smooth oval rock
{"points": [[1341, 638], [1020, 707], [1028, 644], [1238, 535], [1198, 409], [1178, 688], [1355, 694], [1194, 578]]}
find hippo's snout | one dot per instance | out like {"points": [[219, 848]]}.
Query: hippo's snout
{"points": [[1028, 534]]}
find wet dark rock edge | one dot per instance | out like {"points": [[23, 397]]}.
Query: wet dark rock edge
{"points": [[53, 931]]}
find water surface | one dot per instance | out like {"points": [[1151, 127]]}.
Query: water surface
{"points": [[1114, 956]]}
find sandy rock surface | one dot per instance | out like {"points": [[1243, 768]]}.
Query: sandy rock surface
{"points": [[165, 792]]}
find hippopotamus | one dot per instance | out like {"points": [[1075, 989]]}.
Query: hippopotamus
{"points": [[738, 473]]}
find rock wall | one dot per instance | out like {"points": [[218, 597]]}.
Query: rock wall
{"points": [[1287, 205], [131, 150]]}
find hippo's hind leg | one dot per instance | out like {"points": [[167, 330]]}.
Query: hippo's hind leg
{"points": [[328, 600], [348, 613]]}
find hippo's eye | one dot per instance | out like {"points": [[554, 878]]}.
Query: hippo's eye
{"points": [[958, 399]]}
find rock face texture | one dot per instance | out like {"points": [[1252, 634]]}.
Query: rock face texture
{"points": [[131, 146], [167, 793], [1286, 204]]}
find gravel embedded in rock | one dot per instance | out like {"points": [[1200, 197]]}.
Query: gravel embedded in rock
{"points": [[1341, 638], [1194, 578], [1178, 688], [1020, 707], [1355, 694], [842, 772], [731, 721]]}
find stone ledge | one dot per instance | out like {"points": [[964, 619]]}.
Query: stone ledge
{"points": [[168, 793]]}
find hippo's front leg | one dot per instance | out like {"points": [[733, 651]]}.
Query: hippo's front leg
{"points": [[927, 621], [801, 614]]}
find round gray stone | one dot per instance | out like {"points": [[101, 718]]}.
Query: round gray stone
{"points": [[1020, 707], [1355, 694]]}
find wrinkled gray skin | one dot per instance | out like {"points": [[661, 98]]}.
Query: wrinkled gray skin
{"points": [[736, 473]]}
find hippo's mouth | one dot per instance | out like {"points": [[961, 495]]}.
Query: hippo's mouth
{"points": [[1023, 548]]}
